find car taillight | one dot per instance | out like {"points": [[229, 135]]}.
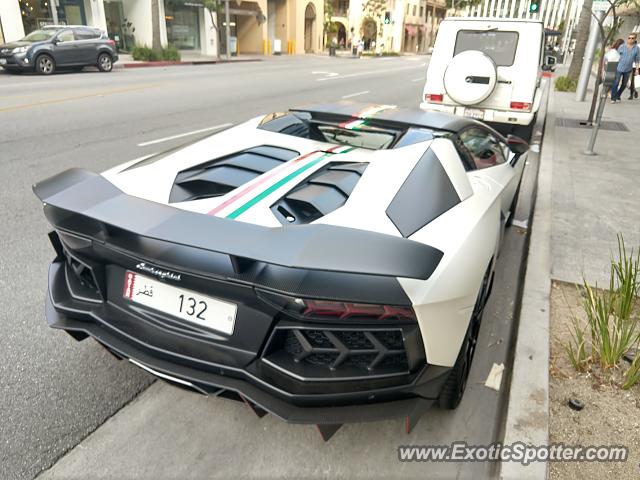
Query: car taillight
{"points": [[344, 310], [111, 42], [329, 310], [433, 97], [520, 105]]}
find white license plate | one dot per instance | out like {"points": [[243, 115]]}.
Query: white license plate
{"points": [[3, 61], [185, 304], [474, 113]]}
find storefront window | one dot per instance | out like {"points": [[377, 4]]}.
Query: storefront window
{"points": [[71, 12], [183, 24], [35, 14], [119, 28]]}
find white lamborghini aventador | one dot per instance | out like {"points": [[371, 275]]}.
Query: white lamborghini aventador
{"points": [[326, 264]]}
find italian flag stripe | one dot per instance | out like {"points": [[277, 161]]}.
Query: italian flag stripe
{"points": [[265, 193], [262, 179], [368, 112]]}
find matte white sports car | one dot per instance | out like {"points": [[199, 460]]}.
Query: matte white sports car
{"points": [[327, 264]]}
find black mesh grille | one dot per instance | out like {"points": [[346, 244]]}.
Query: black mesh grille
{"points": [[374, 351], [320, 194], [222, 175]]}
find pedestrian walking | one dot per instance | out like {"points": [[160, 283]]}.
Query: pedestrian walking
{"points": [[612, 54], [629, 54], [633, 93]]}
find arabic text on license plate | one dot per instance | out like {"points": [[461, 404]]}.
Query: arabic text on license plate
{"points": [[3, 61], [188, 305], [474, 113]]}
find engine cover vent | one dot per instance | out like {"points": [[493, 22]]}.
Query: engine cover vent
{"points": [[220, 176], [320, 194]]}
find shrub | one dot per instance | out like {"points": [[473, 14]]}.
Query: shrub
{"points": [[565, 84], [171, 53], [147, 54], [613, 324]]}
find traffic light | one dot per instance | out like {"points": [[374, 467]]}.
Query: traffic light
{"points": [[387, 18], [534, 6]]}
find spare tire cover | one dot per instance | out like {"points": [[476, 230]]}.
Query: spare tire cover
{"points": [[470, 77]]}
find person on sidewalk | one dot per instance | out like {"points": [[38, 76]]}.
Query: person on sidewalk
{"points": [[612, 54], [633, 93], [629, 54]]}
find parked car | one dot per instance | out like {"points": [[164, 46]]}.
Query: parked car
{"points": [[328, 264], [53, 47], [488, 69]]}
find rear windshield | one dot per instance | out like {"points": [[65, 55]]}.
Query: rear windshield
{"points": [[353, 134], [499, 46]]}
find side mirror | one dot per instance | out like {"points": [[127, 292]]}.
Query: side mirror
{"points": [[55, 40], [517, 145]]}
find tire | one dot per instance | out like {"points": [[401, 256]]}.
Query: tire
{"points": [[105, 62], [45, 64], [453, 389], [514, 204]]}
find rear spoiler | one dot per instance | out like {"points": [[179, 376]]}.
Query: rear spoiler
{"points": [[78, 200]]}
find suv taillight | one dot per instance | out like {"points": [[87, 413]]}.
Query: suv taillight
{"points": [[111, 42], [520, 105], [433, 97]]}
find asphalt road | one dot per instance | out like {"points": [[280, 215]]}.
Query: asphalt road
{"points": [[55, 391]]}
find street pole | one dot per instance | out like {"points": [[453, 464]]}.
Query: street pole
{"points": [[587, 62], [227, 28], [54, 11]]}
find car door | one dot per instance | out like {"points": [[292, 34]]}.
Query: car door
{"points": [[493, 161], [66, 50], [87, 39]]}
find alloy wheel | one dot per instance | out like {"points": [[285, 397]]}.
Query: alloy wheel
{"points": [[105, 63], [45, 65]]}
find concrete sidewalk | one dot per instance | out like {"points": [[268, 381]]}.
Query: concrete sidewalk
{"points": [[126, 61], [593, 197]]}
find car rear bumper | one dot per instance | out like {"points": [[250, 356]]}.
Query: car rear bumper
{"points": [[180, 360], [281, 359], [511, 117]]}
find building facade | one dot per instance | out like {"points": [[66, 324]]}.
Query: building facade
{"points": [[386, 26], [553, 13], [257, 27]]}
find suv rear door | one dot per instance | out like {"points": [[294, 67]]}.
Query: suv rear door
{"points": [[87, 40]]}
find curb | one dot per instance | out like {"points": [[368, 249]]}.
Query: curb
{"points": [[527, 419], [179, 63]]}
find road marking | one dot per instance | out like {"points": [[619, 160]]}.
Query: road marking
{"points": [[370, 72], [77, 97], [326, 74], [417, 79], [186, 134], [356, 94]]}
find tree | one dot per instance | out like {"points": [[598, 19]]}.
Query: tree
{"points": [[461, 4], [156, 44], [581, 40], [215, 6], [329, 26], [373, 10]]}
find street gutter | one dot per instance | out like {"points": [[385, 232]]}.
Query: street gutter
{"points": [[179, 63], [527, 419]]}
